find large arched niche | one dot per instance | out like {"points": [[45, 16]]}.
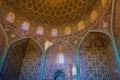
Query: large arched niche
{"points": [[61, 56], [97, 58], [23, 61]]}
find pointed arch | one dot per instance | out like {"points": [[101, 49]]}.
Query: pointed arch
{"points": [[90, 31], [60, 41], [66, 62], [54, 32], [22, 52], [4, 43], [3, 39], [108, 49]]}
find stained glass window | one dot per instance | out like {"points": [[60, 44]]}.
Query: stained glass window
{"points": [[81, 25], [94, 15], [47, 44], [105, 24], [104, 2]]}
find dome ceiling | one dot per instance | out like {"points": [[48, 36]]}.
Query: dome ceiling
{"points": [[52, 12]]}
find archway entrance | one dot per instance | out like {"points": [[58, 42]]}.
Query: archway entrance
{"points": [[59, 75], [62, 57]]}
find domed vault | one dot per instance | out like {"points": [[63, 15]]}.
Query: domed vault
{"points": [[52, 12]]}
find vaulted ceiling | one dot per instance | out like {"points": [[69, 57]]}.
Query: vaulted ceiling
{"points": [[53, 19], [52, 12]]}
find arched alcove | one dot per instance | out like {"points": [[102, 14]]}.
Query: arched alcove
{"points": [[97, 58], [23, 61], [60, 56]]}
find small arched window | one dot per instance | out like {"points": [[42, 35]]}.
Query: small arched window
{"points": [[67, 30], [93, 16], [54, 32], [81, 25], [10, 17], [39, 31], [25, 26]]}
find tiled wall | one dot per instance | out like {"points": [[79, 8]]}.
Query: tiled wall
{"points": [[23, 61], [13, 61], [30, 69], [52, 65]]}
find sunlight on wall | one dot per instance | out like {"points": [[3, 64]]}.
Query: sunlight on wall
{"points": [[81, 25], [93, 16]]}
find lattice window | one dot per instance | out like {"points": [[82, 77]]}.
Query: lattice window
{"points": [[10, 17], [25, 26], [40, 31], [54, 32]]}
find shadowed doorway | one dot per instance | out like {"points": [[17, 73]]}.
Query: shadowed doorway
{"points": [[59, 75]]}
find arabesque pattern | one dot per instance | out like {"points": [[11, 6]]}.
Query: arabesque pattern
{"points": [[52, 11], [30, 69]]}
